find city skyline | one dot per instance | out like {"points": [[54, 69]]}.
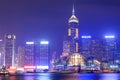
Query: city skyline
{"points": [[40, 20]]}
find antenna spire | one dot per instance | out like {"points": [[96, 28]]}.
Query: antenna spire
{"points": [[73, 11]]}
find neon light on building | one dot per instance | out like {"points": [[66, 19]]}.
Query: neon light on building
{"points": [[42, 67], [33, 67], [86, 36], [69, 32], [44, 42], [29, 42], [110, 36]]}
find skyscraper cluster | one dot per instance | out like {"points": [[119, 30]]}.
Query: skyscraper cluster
{"points": [[104, 50], [37, 54], [76, 49], [34, 53]]}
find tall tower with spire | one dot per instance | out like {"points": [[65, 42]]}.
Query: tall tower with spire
{"points": [[73, 33]]}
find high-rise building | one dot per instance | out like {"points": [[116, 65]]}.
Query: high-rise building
{"points": [[93, 48], [86, 43], [66, 49], [42, 54], [1, 52], [98, 49], [110, 48], [73, 34], [21, 54], [37, 54], [9, 46], [29, 54]]}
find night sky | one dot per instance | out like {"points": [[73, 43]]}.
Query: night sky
{"points": [[48, 19]]}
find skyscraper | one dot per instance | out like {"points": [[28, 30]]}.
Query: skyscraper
{"points": [[98, 49], [21, 54], [110, 48], [73, 33], [29, 54], [9, 43], [1, 52], [42, 54], [86, 43], [37, 54]]}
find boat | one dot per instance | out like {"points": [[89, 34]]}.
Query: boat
{"points": [[4, 72]]}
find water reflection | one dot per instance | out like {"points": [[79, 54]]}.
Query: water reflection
{"points": [[82, 77], [112, 76], [55, 76], [29, 77], [88, 77]]}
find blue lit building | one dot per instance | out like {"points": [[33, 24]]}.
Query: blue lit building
{"points": [[37, 54], [29, 54], [86, 46], [9, 45], [111, 48], [1, 53], [21, 55], [98, 49], [73, 33], [42, 55]]}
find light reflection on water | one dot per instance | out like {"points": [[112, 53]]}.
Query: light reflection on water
{"points": [[110, 77], [55, 76]]}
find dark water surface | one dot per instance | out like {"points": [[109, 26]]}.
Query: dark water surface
{"points": [[56, 76]]}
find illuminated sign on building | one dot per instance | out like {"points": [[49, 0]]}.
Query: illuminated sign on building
{"points": [[110, 36], [44, 42], [42, 67], [86, 36], [29, 42], [30, 67]]}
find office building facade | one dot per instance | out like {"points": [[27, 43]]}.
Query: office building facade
{"points": [[21, 55], [1, 53], [29, 54], [37, 54], [86, 43], [71, 44], [9, 45], [111, 48]]}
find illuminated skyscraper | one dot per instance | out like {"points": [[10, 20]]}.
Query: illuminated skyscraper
{"points": [[37, 54], [42, 54], [21, 54], [73, 33], [1, 52], [9, 49], [29, 54], [110, 48], [86, 48], [98, 49], [66, 49], [93, 48]]}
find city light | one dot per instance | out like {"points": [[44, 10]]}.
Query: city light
{"points": [[111, 36], [21, 69], [76, 59], [86, 36], [30, 67], [114, 66], [44, 42], [73, 18], [29, 42], [12, 67], [42, 67]]}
